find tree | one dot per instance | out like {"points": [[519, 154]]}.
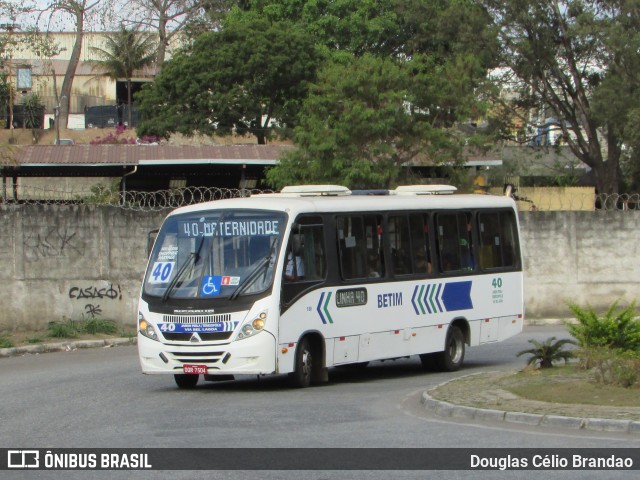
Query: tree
{"points": [[51, 11], [126, 51], [358, 127], [167, 17], [241, 79], [394, 95], [576, 61]]}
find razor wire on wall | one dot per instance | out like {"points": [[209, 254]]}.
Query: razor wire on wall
{"points": [[131, 200], [179, 197]]}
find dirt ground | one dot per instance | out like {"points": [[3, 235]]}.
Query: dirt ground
{"points": [[490, 391]]}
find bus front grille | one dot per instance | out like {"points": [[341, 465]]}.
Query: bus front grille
{"points": [[205, 337], [197, 357]]}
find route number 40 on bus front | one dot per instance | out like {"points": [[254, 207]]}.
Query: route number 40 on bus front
{"points": [[161, 272]]}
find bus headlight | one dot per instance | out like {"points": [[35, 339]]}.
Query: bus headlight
{"points": [[250, 328], [146, 328]]}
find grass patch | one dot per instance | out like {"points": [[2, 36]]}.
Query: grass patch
{"points": [[5, 342], [68, 329], [99, 325], [569, 385]]}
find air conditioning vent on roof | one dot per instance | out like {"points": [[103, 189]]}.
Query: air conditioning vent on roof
{"points": [[315, 190], [425, 190]]}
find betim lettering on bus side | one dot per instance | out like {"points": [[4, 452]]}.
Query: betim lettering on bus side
{"points": [[386, 300]]}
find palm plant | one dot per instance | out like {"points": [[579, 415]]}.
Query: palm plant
{"points": [[547, 352], [126, 51]]}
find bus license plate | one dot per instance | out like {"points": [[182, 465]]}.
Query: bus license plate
{"points": [[194, 369]]}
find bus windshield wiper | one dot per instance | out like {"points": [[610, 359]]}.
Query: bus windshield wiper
{"points": [[192, 259], [255, 273]]}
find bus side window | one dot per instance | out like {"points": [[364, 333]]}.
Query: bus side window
{"points": [[421, 257], [498, 239], [360, 246], [455, 236]]}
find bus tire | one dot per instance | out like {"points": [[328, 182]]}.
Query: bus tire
{"points": [[452, 357], [304, 367], [186, 381]]}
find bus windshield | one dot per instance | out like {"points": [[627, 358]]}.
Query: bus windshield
{"points": [[215, 254]]}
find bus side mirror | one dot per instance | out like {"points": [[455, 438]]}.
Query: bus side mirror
{"points": [[151, 238]]}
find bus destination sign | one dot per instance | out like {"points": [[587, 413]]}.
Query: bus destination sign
{"points": [[351, 297]]}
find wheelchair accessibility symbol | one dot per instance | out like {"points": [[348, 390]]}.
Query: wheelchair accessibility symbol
{"points": [[211, 286]]}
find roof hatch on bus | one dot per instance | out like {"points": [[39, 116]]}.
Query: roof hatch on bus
{"points": [[425, 190], [315, 190]]}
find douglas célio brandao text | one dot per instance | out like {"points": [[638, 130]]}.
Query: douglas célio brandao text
{"points": [[549, 462]]}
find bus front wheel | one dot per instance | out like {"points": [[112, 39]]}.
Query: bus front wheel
{"points": [[452, 357], [186, 381], [304, 365]]}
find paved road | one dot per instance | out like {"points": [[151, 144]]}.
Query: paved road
{"points": [[98, 398]]}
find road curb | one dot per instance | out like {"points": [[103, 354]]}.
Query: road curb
{"points": [[66, 346], [452, 410]]}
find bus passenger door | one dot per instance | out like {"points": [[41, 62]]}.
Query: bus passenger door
{"points": [[305, 261]]}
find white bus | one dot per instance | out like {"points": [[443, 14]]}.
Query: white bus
{"points": [[318, 276]]}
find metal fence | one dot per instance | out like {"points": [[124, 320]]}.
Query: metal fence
{"points": [[178, 197]]}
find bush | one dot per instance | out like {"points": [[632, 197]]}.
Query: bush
{"points": [[546, 353], [612, 367], [5, 342], [616, 329]]}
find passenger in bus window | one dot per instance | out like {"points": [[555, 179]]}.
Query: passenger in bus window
{"points": [[422, 264], [294, 270], [374, 266]]}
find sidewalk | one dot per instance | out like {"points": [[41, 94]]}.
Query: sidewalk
{"points": [[462, 412], [66, 346]]}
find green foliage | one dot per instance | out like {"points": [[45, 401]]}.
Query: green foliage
{"points": [[349, 127], [240, 79], [72, 328], [4, 91], [126, 51], [577, 61], [102, 195], [5, 342], [98, 325], [615, 329], [612, 366], [546, 353], [34, 111], [68, 329]]}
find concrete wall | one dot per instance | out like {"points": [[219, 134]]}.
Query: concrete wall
{"points": [[588, 258], [73, 262]]}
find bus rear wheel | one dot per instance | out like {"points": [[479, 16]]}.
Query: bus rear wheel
{"points": [[452, 357], [186, 381]]}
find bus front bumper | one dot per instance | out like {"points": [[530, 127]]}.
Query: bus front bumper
{"points": [[250, 356]]}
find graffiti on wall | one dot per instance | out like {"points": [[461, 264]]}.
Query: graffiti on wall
{"points": [[92, 292], [54, 242]]}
